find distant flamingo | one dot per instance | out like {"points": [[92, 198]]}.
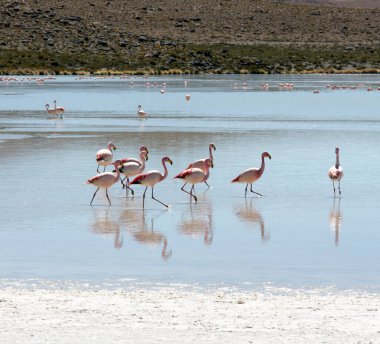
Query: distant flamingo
{"points": [[194, 176], [132, 169], [252, 174], [105, 180], [336, 172], [140, 112], [150, 178], [201, 163], [104, 156], [57, 111], [142, 149]]}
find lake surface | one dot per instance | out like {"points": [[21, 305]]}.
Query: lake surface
{"points": [[298, 234]]}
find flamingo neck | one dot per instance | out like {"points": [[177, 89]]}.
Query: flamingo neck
{"points": [[262, 167], [337, 164], [165, 170], [55, 104], [109, 147], [142, 159], [117, 175], [210, 150], [207, 174]]}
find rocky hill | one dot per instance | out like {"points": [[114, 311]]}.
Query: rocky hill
{"points": [[193, 36]]}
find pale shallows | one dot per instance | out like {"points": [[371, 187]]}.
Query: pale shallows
{"points": [[298, 233]]}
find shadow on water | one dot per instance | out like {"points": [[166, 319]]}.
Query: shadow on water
{"points": [[141, 228], [249, 214], [335, 219], [197, 221]]}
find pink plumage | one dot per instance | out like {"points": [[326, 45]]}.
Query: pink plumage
{"points": [[335, 173]]}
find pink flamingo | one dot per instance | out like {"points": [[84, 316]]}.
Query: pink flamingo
{"points": [[336, 172], [105, 180], [142, 149], [151, 178], [201, 163], [194, 176], [58, 111], [132, 169], [140, 112], [104, 156], [252, 174]]}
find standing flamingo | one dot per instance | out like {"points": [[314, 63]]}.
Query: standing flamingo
{"points": [[336, 172], [142, 149], [104, 156], [132, 169], [105, 180], [56, 111], [194, 176], [140, 112], [252, 174], [151, 178], [201, 163]]}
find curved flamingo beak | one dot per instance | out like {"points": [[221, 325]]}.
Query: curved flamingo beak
{"points": [[270, 157], [170, 162], [212, 164]]}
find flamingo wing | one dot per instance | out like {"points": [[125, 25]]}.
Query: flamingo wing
{"points": [[184, 173]]}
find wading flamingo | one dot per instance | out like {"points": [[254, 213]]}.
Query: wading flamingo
{"points": [[142, 149], [201, 163], [151, 178], [336, 172], [105, 180], [132, 169], [194, 176], [104, 156], [252, 174], [57, 111], [140, 112]]}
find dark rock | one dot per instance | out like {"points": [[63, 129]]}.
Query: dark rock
{"points": [[143, 38]]}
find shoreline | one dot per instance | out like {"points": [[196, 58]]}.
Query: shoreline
{"points": [[171, 315]]}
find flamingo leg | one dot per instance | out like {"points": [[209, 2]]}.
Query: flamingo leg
{"points": [[144, 196], [127, 187], [182, 188], [207, 184], [108, 197], [255, 192], [104, 169], [94, 195], [97, 170], [122, 181], [339, 188], [158, 200], [191, 194], [334, 188], [246, 190]]}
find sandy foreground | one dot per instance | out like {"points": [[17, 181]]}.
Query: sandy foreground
{"points": [[179, 315]]}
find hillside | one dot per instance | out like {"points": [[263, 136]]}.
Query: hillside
{"points": [[194, 36]]}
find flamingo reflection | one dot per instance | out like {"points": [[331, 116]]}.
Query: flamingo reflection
{"points": [[249, 214], [335, 219], [198, 222], [138, 228], [104, 225]]}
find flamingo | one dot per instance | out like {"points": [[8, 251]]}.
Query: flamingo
{"points": [[140, 112], [105, 180], [56, 111], [336, 172], [194, 176], [151, 178], [142, 149], [201, 163], [252, 174], [104, 156], [132, 169]]}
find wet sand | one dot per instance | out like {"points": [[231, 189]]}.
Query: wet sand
{"points": [[187, 315]]}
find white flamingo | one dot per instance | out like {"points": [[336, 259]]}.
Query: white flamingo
{"points": [[142, 149], [104, 156], [140, 111], [336, 172], [105, 180], [201, 163], [132, 169]]}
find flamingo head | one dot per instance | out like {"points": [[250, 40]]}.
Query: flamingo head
{"points": [[212, 146], [111, 146], [144, 148], [167, 159], [144, 155], [336, 150], [266, 155], [209, 163], [47, 106], [139, 107]]}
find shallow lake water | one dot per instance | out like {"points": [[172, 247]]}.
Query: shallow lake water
{"points": [[297, 234]]}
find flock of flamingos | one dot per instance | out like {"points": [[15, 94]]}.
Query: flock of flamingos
{"points": [[197, 172]]}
